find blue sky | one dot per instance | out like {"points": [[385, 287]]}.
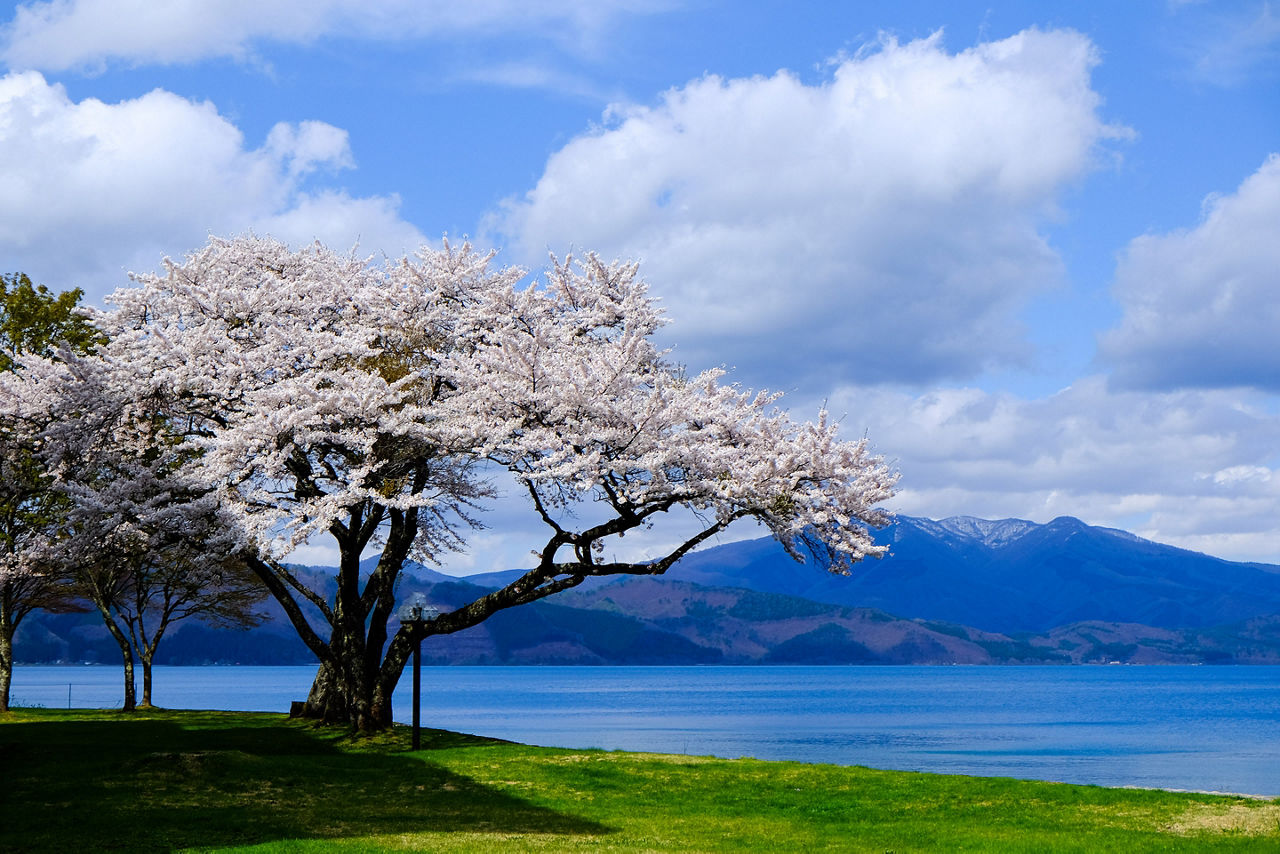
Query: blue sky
{"points": [[1029, 249]]}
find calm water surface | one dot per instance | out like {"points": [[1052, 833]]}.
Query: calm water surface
{"points": [[1205, 728]]}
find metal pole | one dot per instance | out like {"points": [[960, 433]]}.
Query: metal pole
{"points": [[417, 688]]}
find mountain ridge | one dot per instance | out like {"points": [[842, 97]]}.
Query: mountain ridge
{"points": [[1099, 595], [1035, 577]]}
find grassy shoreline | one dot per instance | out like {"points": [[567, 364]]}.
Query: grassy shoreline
{"points": [[163, 780]]}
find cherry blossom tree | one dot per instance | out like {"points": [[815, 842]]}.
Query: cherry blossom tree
{"points": [[138, 538], [305, 383], [149, 561], [323, 394], [32, 321]]}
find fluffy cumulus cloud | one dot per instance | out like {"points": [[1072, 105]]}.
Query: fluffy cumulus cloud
{"points": [[1200, 304], [62, 34], [884, 223], [1199, 469], [93, 189]]}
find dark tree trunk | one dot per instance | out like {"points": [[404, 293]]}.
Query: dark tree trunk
{"points": [[351, 684], [10, 615], [341, 690], [148, 646], [345, 685], [146, 678], [340, 693], [389, 676], [355, 689], [126, 655], [130, 703], [6, 664]]}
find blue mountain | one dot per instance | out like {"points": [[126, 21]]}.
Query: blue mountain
{"points": [[1009, 575]]}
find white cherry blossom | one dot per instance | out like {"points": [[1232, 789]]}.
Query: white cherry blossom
{"points": [[316, 392]]}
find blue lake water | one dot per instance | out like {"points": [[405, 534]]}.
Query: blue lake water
{"points": [[1201, 728]]}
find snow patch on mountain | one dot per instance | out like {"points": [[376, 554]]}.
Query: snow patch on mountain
{"points": [[992, 533]]}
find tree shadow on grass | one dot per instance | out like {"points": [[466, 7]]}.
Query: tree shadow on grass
{"points": [[153, 785]]}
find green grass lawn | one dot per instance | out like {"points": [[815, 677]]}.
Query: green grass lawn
{"points": [[224, 781]]}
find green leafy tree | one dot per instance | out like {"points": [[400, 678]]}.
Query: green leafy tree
{"points": [[35, 320]]}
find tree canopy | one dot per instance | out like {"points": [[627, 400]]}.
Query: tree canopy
{"points": [[35, 320], [318, 393]]}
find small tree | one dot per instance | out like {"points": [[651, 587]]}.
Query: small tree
{"points": [[33, 321], [326, 395], [143, 542], [143, 578]]}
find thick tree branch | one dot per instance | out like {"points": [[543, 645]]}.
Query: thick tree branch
{"points": [[303, 590], [275, 581], [548, 580]]}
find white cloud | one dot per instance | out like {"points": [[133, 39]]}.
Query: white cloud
{"points": [[371, 225], [1233, 475], [1196, 469], [1200, 305], [63, 34], [532, 75], [307, 146], [882, 224], [93, 189]]}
